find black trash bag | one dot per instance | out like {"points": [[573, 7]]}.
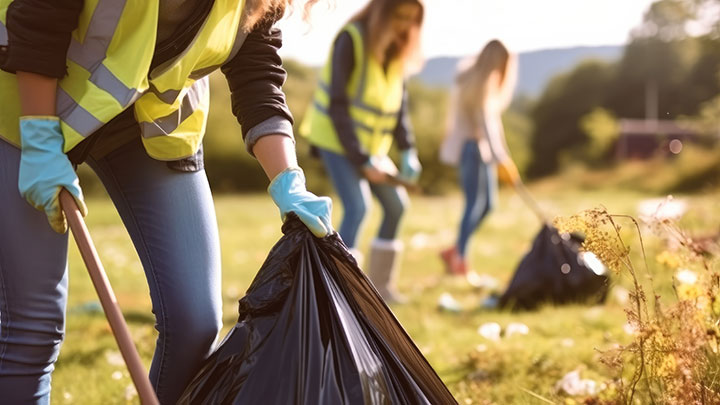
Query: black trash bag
{"points": [[555, 271], [313, 330]]}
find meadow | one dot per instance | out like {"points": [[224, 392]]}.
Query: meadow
{"points": [[518, 369]]}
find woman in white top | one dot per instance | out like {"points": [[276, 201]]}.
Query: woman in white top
{"points": [[475, 142]]}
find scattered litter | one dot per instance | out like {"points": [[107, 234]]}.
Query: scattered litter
{"points": [[421, 241], [117, 375], [483, 281], [114, 358], [573, 385], [516, 328], [621, 295], [447, 302], [567, 342], [89, 307], [67, 396], [481, 348], [490, 331], [630, 329], [661, 209], [491, 302]]}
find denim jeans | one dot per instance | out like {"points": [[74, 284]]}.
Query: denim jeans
{"points": [[479, 184], [171, 220], [354, 192]]}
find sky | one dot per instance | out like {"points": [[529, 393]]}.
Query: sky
{"points": [[462, 27]]}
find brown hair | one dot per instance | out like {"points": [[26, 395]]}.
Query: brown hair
{"points": [[474, 91], [375, 18], [261, 11]]}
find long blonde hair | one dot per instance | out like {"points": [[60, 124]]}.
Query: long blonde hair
{"points": [[376, 17], [473, 83], [260, 11]]}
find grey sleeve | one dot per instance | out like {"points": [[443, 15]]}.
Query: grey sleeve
{"points": [[275, 125]]}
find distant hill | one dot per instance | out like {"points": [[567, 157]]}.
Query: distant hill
{"points": [[535, 68]]}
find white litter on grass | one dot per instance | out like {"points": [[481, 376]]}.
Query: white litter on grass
{"points": [[447, 302], [621, 295], [483, 281], [516, 328], [481, 348], [571, 384], [661, 208], [117, 375], [67, 396], [490, 331], [567, 342], [114, 358], [630, 329], [421, 241], [685, 276]]}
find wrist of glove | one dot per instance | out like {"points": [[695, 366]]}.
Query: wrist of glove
{"points": [[508, 173], [410, 167], [45, 169], [288, 192]]}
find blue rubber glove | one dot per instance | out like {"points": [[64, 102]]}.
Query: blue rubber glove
{"points": [[288, 192], [410, 167], [45, 170]]}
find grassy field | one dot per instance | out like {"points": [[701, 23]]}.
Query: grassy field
{"points": [[515, 370]]}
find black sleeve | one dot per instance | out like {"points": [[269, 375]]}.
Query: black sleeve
{"points": [[403, 133], [39, 35], [343, 62], [255, 76]]}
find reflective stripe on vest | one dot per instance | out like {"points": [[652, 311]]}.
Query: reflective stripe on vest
{"points": [[375, 99]]}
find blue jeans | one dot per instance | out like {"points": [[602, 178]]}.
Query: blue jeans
{"points": [[479, 184], [354, 192], [171, 220]]}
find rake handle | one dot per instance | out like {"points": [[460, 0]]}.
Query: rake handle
{"points": [[119, 328]]}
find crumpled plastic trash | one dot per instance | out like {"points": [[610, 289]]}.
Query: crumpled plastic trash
{"points": [[447, 302], [572, 384], [312, 329], [490, 331], [516, 328]]}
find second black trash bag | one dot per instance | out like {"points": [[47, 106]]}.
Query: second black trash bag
{"points": [[313, 330], [556, 271]]}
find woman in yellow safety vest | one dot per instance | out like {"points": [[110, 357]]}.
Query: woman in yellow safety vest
{"points": [[359, 108], [476, 143], [122, 84]]}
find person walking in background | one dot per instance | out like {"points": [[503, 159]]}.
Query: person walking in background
{"points": [[359, 108], [475, 142], [123, 86]]}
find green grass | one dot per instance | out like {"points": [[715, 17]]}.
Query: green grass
{"points": [[515, 370]]}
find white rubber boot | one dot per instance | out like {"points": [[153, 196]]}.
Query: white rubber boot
{"points": [[383, 266]]}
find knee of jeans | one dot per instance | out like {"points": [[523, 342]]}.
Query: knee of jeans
{"points": [[355, 212], [29, 350], [195, 330], [396, 207]]}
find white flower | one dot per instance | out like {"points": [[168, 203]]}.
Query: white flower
{"points": [[685, 276]]}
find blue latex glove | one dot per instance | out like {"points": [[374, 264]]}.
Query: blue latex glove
{"points": [[45, 170], [410, 167], [288, 192]]}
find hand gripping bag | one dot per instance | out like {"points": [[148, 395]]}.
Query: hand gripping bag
{"points": [[313, 330]]}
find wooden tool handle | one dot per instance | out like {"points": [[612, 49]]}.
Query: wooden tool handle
{"points": [[107, 299]]}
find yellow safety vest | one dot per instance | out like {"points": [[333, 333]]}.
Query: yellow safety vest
{"points": [[109, 69], [375, 99]]}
